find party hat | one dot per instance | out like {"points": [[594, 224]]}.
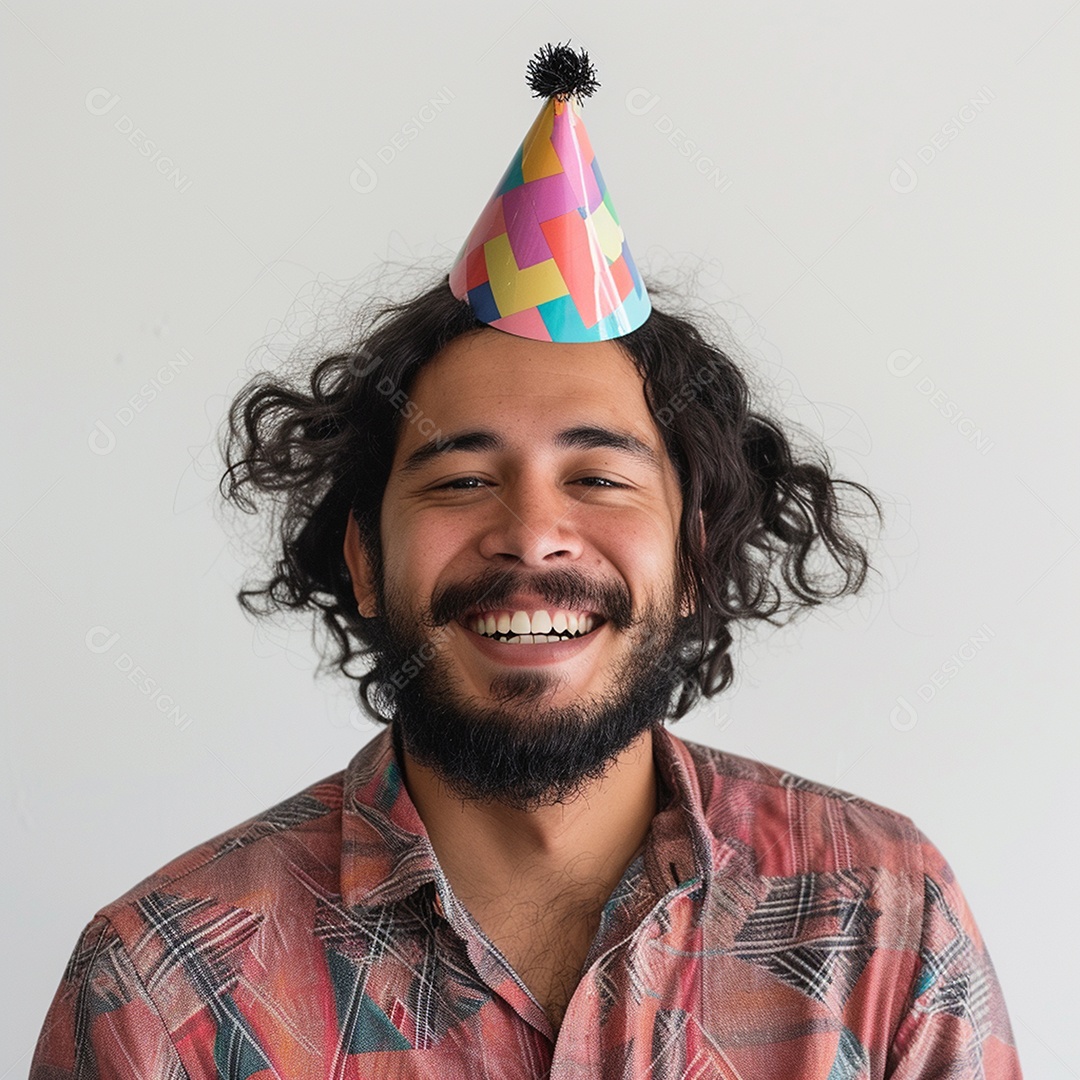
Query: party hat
{"points": [[547, 258]]}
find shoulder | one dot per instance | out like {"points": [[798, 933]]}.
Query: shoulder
{"points": [[799, 825], [757, 779], [851, 903], [255, 858], [192, 926]]}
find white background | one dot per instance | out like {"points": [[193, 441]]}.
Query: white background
{"points": [[835, 265]]}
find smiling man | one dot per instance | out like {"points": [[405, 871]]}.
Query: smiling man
{"points": [[540, 551], [533, 549], [533, 509]]}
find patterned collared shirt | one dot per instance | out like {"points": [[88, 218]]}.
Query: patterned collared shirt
{"points": [[770, 927]]}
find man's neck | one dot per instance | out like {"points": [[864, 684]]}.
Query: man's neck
{"points": [[536, 881], [491, 852]]}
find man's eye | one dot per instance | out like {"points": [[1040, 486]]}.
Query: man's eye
{"points": [[456, 484], [603, 480]]}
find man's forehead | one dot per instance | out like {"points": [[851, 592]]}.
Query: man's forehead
{"points": [[478, 392], [577, 437], [489, 364]]}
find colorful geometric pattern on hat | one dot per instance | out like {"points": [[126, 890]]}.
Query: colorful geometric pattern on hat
{"points": [[547, 258]]}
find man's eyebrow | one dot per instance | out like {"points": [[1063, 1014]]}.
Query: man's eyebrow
{"points": [[585, 437]]}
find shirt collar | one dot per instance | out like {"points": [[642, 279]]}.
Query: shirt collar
{"points": [[718, 871], [385, 850], [679, 848], [386, 853]]}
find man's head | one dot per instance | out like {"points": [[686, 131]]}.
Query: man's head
{"points": [[400, 531], [545, 489]]}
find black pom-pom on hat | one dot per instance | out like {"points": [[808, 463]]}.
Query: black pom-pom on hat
{"points": [[558, 71]]}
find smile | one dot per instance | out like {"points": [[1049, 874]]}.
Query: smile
{"points": [[538, 627]]}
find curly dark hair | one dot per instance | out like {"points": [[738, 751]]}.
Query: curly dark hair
{"points": [[778, 530]]}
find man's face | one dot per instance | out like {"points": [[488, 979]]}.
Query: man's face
{"points": [[552, 494]]}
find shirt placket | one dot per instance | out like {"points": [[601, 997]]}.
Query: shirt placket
{"points": [[487, 960], [666, 875]]}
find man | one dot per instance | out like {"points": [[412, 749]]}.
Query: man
{"points": [[525, 872], [540, 547]]}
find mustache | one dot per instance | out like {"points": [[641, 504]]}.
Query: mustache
{"points": [[562, 588]]}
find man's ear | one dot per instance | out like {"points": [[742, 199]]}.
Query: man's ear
{"points": [[363, 580], [688, 605]]}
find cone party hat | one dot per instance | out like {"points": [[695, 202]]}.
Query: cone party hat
{"points": [[547, 258]]}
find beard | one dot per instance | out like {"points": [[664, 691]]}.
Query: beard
{"points": [[516, 748]]}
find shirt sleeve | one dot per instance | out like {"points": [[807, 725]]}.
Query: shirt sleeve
{"points": [[101, 1024], [956, 1026]]}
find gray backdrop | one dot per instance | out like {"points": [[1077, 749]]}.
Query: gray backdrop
{"points": [[880, 200]]}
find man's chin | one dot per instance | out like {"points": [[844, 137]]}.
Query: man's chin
{"points": [[526, 742], [523, 751], [523, 763]]}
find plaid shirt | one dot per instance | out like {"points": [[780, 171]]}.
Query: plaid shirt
{"points": [[771, 927]]}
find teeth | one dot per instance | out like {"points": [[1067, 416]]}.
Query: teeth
{"points": [[542, 626]]}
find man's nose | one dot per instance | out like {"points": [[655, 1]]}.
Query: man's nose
{"points": [[534, 522]]}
